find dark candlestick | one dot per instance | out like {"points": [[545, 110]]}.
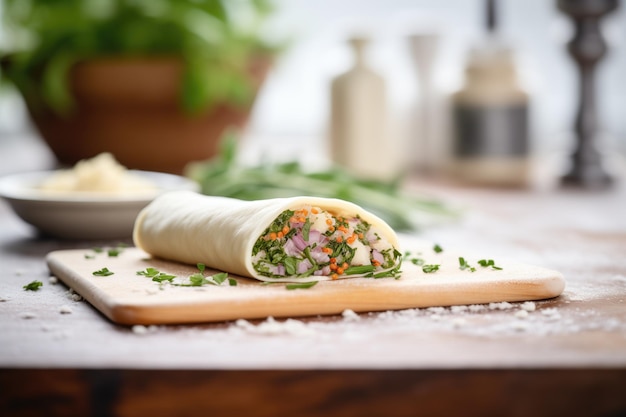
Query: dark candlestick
{"points": [[587, 48]]}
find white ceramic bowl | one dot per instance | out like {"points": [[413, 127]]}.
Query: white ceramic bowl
{"points": [[83, 216]]}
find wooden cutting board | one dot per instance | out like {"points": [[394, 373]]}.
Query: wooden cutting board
{"points": [[128, 298]]}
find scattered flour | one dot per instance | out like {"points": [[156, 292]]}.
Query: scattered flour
{"points": [[73, 295], [53, 280], [349, 315], [28, 315], [520, 326], [528, 306], [271, 327], [551, 313], [459, 309], [141, 329], [521, 314], [458, 322], [65, 309], [500, 306]]}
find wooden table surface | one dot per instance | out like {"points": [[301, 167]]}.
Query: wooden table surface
{"points": [[557, 356]]}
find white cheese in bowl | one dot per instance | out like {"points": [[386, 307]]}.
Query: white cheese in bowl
{"points": [[100, 174]]}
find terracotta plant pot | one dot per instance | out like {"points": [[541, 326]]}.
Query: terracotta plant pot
{"points": [[131, 108]]}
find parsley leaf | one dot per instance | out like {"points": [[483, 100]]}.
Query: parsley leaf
{"points": [[486, 263], [427, 269], [232, 282], [463, 265], [104, 272], [220, 278], [437, 248], [162, 276], [33, 286]]}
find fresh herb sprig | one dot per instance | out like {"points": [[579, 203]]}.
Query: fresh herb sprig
{"points": [[224, 176]]}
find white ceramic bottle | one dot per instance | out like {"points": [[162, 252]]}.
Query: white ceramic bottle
{"points": [[359, 137]]}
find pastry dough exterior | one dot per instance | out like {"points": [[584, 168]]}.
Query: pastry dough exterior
{"points": [[220, 232]]}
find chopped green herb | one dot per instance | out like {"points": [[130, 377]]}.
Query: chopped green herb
{"points": [[88, 256], [163, 277], [290, 264], [463, 265], [418, 261], [486, 263], [33, 286], [201, 267], [149, 272], [220, 278], [232, 282], [156, 275], [303, 285], [359, 269], [427, 269], [306, 229], [197, 280], [113, 252], [437, 248], [104, 272], [98, 250]]}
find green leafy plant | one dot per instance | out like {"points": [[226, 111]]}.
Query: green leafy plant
{"points": [[224, 176], [215, 39]]}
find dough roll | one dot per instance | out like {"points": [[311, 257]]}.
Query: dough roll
{"points": [[297, 239]]}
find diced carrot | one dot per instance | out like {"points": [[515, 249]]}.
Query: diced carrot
{"points": [[314, 210], [339, 239], [333, 267], [360, 235], [331, 228], [285, 230], [280, 235], [340, 270], [333, 260], [334, 276], [329, 222], [273, 236], [345, 265]]}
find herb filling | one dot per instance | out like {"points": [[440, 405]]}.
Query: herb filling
{"points": [[311, 241]]}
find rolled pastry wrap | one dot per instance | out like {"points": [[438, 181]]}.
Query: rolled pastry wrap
{"points": [[298, 239]]}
